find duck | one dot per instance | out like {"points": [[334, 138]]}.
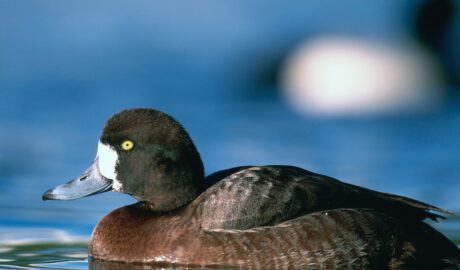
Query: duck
{"points": [[254, 217]]}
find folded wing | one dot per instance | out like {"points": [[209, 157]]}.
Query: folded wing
{"points": [[249, 197]]}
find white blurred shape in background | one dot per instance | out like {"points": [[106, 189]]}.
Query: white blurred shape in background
{"points": [[336, 75]]}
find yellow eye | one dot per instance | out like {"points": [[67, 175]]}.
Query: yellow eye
{"points": [[127, 145]]}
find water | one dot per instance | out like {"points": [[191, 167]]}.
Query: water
{"points": [[66, 68], [38, 248]]}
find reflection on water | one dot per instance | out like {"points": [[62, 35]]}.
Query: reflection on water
{"points": [[102, 265], [41, 248]]}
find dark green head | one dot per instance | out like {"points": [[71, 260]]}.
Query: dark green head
{"points": [[146, 154]]}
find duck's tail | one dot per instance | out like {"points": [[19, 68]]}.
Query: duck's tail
{"points": [[423, 247]]}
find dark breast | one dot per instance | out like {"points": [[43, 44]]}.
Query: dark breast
{"points": [[133, 234]]}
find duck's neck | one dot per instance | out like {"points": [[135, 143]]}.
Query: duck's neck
{"points": [[173, 182], [173, 192]]}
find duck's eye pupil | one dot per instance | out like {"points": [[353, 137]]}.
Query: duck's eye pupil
{"points": [[127, 145]]}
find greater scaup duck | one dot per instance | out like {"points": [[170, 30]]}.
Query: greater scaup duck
{"points": [[250, 217]]}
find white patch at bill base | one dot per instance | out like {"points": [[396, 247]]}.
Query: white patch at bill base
{"points": [[108, 159]]}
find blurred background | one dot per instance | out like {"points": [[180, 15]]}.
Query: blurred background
{"points": [[367, 92]]}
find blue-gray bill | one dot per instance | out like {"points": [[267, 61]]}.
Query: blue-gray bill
{"points": [[90, 182]]}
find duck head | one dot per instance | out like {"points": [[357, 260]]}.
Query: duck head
{"points": [[144, 153]]}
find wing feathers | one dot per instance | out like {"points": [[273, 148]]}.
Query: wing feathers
{"points": [[249, 197]]}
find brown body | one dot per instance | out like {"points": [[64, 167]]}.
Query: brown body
{"points": [[328, 239]]}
